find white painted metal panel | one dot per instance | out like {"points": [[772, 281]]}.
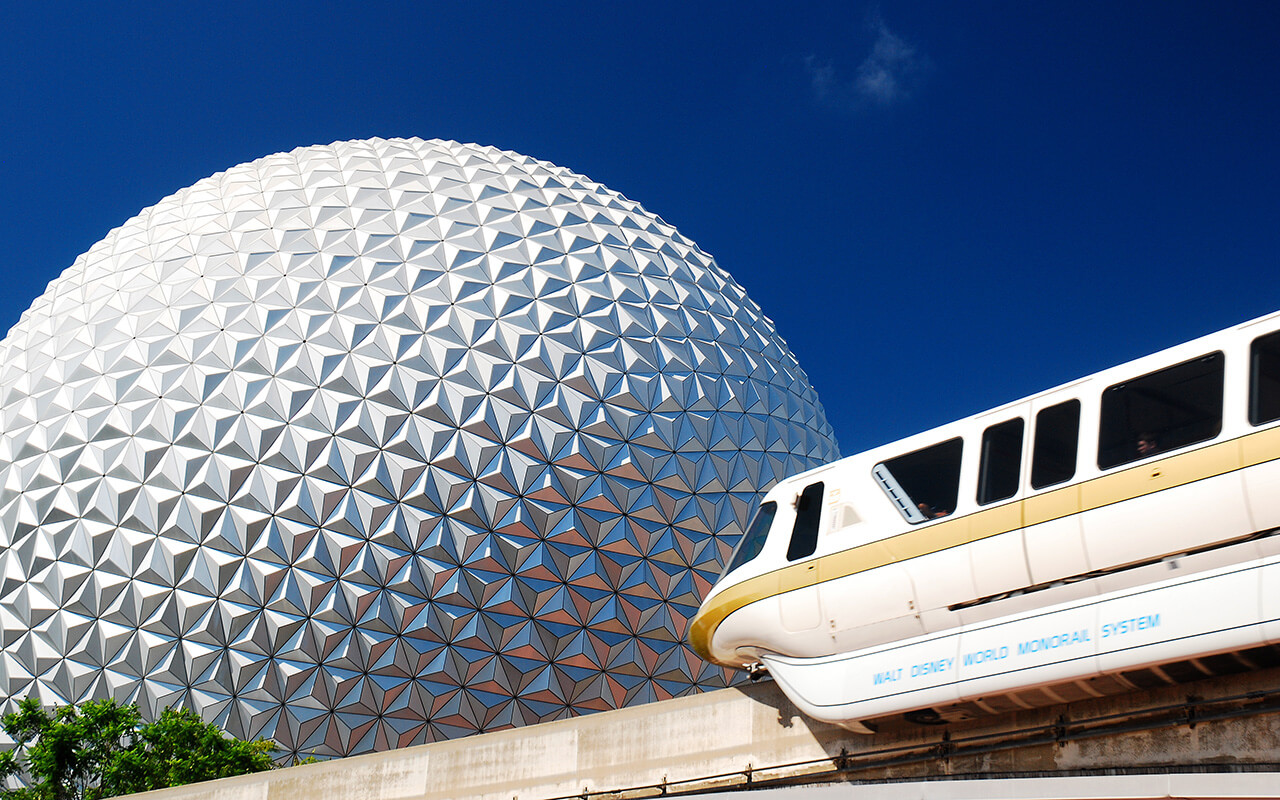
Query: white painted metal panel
{"points": [[867, 598], [1176, 619], [940, 580], [1042, 647], [998, 564], [1262, 487], [1055, 549], [1181, 518], [1269, 599], [1169, 621], [799, 610]]}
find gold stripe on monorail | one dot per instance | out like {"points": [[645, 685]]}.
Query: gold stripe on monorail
{"points": [[1147, 478]]}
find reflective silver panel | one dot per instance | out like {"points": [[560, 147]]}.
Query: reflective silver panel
{"points": [[383, 442]]}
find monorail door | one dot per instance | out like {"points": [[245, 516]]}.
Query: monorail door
{"points": [[1050, 512], [995, 551], [798, 608]]}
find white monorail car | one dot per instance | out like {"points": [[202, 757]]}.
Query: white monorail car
{"points": [[1095, 530]]}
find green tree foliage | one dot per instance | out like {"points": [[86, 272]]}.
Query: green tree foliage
{"points": [[64, 753], [102, 749], [180, 748]]}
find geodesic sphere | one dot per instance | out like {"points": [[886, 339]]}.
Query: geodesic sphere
{"points": [[383, 442]]}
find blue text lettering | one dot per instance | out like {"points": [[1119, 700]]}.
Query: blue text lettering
{"points": [[1053, 642], [1130, 625], [983, 656], [930, 667]]}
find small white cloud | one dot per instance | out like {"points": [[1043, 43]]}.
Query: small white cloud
{"points": [[887, 75]]}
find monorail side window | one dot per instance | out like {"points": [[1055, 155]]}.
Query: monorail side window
{"points": [[1264, 379], [804, 534], [924, 484], [1001, 461], [753, 540], [1162, 411], [1053, 454]]}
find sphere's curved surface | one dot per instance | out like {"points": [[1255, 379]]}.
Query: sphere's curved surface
{"points": [[383, 442]]}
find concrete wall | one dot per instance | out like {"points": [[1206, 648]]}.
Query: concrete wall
{"points": [[688, 737], [755, 727]]}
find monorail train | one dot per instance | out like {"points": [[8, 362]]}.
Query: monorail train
{"points": [[1072, 541]]}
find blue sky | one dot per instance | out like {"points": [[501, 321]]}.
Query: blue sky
{"points": [[943, 206]]}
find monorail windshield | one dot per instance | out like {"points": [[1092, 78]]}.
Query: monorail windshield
{"points": [[753, 540]]}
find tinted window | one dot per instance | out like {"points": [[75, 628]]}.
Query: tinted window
{"points": [[998, 473], [926, 483], [1053, 458], [804, 534], [1264, 379], [1162, 411], [753, 540]]}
